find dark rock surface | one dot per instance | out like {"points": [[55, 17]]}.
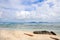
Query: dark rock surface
{"points": [[53, 33], [44, 32]]}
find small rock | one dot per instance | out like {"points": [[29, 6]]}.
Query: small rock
{"points": [[53, 33]]}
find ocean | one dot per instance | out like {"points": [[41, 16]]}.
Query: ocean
{"points": [[55, 27]]}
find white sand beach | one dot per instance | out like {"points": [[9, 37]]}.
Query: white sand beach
{"points": [[24, 35]]}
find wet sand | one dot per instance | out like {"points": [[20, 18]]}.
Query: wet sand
{"points": [[25, 35]]}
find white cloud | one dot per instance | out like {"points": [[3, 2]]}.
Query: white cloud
{"points": [[22, 14], [44, 12]]}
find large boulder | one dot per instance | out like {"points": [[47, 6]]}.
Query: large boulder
{"points": [[44, 32]]}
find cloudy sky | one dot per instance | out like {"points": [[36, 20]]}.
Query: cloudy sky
{"points": [[29, 10]]}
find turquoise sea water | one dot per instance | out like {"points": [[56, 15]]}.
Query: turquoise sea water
{"points": [[32, 26]]}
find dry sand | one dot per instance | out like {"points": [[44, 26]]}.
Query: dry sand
{"points": [[24, 35]]}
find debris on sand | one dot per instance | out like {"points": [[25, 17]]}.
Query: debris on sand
{"points": [[54, 38], [28, 34]]}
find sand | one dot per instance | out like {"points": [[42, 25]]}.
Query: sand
{"points": [[24, 35]]}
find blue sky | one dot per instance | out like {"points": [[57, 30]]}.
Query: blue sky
{"points": [[29, 10]]}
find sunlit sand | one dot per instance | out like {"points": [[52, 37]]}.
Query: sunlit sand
{"points": [[24, 35]]}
